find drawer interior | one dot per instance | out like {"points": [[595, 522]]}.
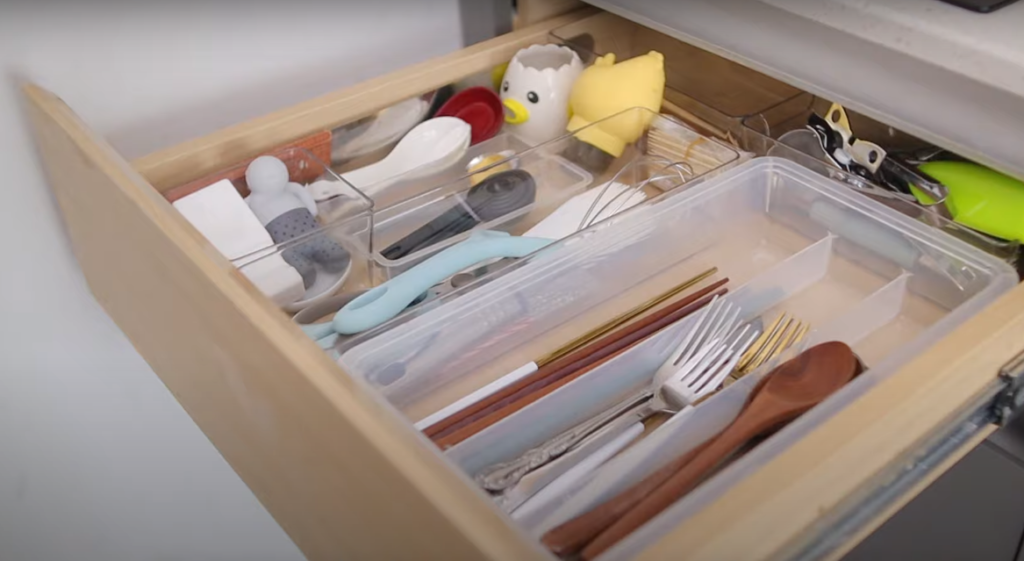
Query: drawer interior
{"points": [[890, 311]]}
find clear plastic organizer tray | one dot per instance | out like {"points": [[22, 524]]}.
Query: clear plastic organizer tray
{"points": [[271, 266], [766, 133], [788, 240], [661, 154]]}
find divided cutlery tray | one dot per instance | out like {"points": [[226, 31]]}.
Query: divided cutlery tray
{"points": [[788, 240], [331, 451]]}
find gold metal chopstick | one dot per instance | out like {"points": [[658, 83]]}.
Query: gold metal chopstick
{"points": [[622, 319]]}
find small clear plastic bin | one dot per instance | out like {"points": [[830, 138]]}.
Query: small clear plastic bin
{"points": [[769, 132], [789, 240], [270, 267], [503, 184]]}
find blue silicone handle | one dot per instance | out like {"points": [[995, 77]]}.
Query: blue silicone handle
{"points": [[389, 299]]}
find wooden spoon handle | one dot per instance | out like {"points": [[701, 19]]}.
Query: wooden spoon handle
{"points": [[759, 416], [570, 536]]}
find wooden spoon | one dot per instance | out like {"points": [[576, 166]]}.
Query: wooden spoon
{"points": [[783, 395], [569, 537]]}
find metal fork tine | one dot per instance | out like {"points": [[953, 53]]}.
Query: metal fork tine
{"points": [[695, 336], [728, 323], [765, 352], [759, 343], [710, 373], [693, 367], [705, 366], [728, 336], [783, 342], [681, 347], [786, 340], [723, 373]]}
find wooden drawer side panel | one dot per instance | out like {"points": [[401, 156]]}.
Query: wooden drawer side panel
{"points": [[341, 475]]}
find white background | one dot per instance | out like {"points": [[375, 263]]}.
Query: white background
{"points": [[97, 459]]}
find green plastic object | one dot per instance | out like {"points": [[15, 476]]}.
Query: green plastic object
{"points": [[980, 198]]}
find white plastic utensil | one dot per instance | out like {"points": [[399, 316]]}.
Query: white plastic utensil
{"points": [[431, 146]]}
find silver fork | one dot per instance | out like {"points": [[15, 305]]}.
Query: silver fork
{"points": [[706, 355]]}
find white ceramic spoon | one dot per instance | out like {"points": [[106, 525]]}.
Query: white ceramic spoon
{"points": [[430, 146]]}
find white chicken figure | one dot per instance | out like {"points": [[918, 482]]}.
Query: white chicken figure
{"points": [[535, 92]]}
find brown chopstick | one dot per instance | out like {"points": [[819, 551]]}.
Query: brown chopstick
{"points": [[503, 404], [623, 319], [570, 537], [546, 374], [545, 364]]}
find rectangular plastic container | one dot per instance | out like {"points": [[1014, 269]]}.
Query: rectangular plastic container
{"points": [[664, 155], [693, 74], [765, 134], [351, 230], [788, 239]]}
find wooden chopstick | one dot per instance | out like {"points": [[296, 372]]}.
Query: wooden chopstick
{"points": [[597, 332], [495, 408], [693, 152], [688, 116], [489, 403]]}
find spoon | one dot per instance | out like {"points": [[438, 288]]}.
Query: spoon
{"points": [[783, 395], [430, 146]]}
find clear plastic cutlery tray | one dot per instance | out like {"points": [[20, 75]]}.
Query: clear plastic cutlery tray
{"points": [[788, 240]]}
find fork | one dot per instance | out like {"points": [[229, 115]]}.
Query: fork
{"points": [[706, 355], [782, 334]]}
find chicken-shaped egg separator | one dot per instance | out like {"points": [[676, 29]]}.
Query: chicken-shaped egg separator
{"points": [[535, 92], [608, 88]]}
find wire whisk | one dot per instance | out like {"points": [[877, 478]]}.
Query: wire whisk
{"points": [[683, 172]]}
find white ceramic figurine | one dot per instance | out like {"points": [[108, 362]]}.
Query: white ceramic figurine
{"points": [[535, 92]]}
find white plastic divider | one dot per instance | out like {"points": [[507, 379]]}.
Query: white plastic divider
{"points": [[629, 372], [878, 309]]}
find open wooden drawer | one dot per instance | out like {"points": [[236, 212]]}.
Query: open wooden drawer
{"points": [[348, 478]]}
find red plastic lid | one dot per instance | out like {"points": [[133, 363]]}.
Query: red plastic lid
{"points": [[480, 107]]}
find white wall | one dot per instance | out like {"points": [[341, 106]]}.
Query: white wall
{"points": [[97, 459]]}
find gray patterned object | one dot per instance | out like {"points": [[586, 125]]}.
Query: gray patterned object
{"points": [[319, 249]]}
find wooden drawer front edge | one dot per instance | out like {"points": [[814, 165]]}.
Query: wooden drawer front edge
{"points": [[182, 163], [340, 474]]}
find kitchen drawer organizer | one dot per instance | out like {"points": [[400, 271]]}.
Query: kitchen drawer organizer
{"points": [[665, 157], [792, 114], [343, 470], [788, 240]]}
